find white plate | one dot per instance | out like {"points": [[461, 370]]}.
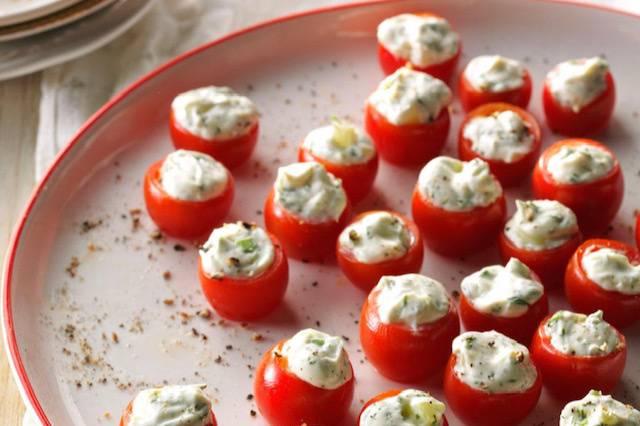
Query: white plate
{"points": [[17, 11], [300, 71]]}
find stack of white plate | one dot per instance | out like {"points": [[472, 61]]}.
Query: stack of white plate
{"points": [[35, 34]]}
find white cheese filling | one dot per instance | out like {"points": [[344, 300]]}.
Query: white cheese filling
{"points": [[458, 186], [577, 82], [309, 192], [408, 408], [185, 405], [237, 250], [192, 176], [377, 237], [581, 335], [505, 291], [494, 73], [422, 40], [541, 225], [410, 299], [492, 362], [502, 136], [596, 409], [214, 112], [410, 97], [611, 270], [340, 143], [580, 163], [317, 358]]}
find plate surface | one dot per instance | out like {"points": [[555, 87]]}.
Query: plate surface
{"points": [[17, 11], [96, 309]]}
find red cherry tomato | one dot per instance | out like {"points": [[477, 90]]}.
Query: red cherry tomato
{"points": [[508, 174], [585, 296], [309, 241], [443, 70], [184, 218], [471, 98], [591, 119], [408, 144], [478, 408], [389, 394], [357, 179], [367, 275], [457, 233], [250, 298], [401, 353], [570, 377], [229, 151], [124, 420], [285, 400], [594, 203]]}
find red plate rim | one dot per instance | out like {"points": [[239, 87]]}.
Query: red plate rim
{"points": [[11, 343]]}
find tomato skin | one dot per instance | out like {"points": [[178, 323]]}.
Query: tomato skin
{"points": [[404, 355], [367, 275], [357, 179], [477, 408], [595, 203], [590, 120], [285, 400], [302, 240], [124, 420], [408, 144], [251, 298], [230, 151], [457, 233], [509, 174], [471, 98], [570, 377], [183, 218], [585, 296], [385, 395]]}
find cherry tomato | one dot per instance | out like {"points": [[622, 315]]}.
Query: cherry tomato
{"points": [[367, 275], [285, 400], [309, 241], [585, 296], [401, 353], [184, 218], [508, 174], [250, 298], [357, 179], [478, 408], [408, 144], [591, 119], [471, 98], [229, 151], [124, 420], [453, 233], [570, 377], [385, 395], [594, 203]]}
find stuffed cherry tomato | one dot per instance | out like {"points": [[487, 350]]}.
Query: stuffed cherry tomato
{"points": [[494, 78], [347, 152], [407, 324], [542, 234], [605, 275], [408, 117], [188, 193], [576, 353], [243, 271], [585, 176], [379, 243], [216, 121], [579, 96], [182, 404], [424, 40], [403, 407], [459, 206], [306, 379], [306, 209], [503, 135], [509, 299], [490, 380], [598, 409]]}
